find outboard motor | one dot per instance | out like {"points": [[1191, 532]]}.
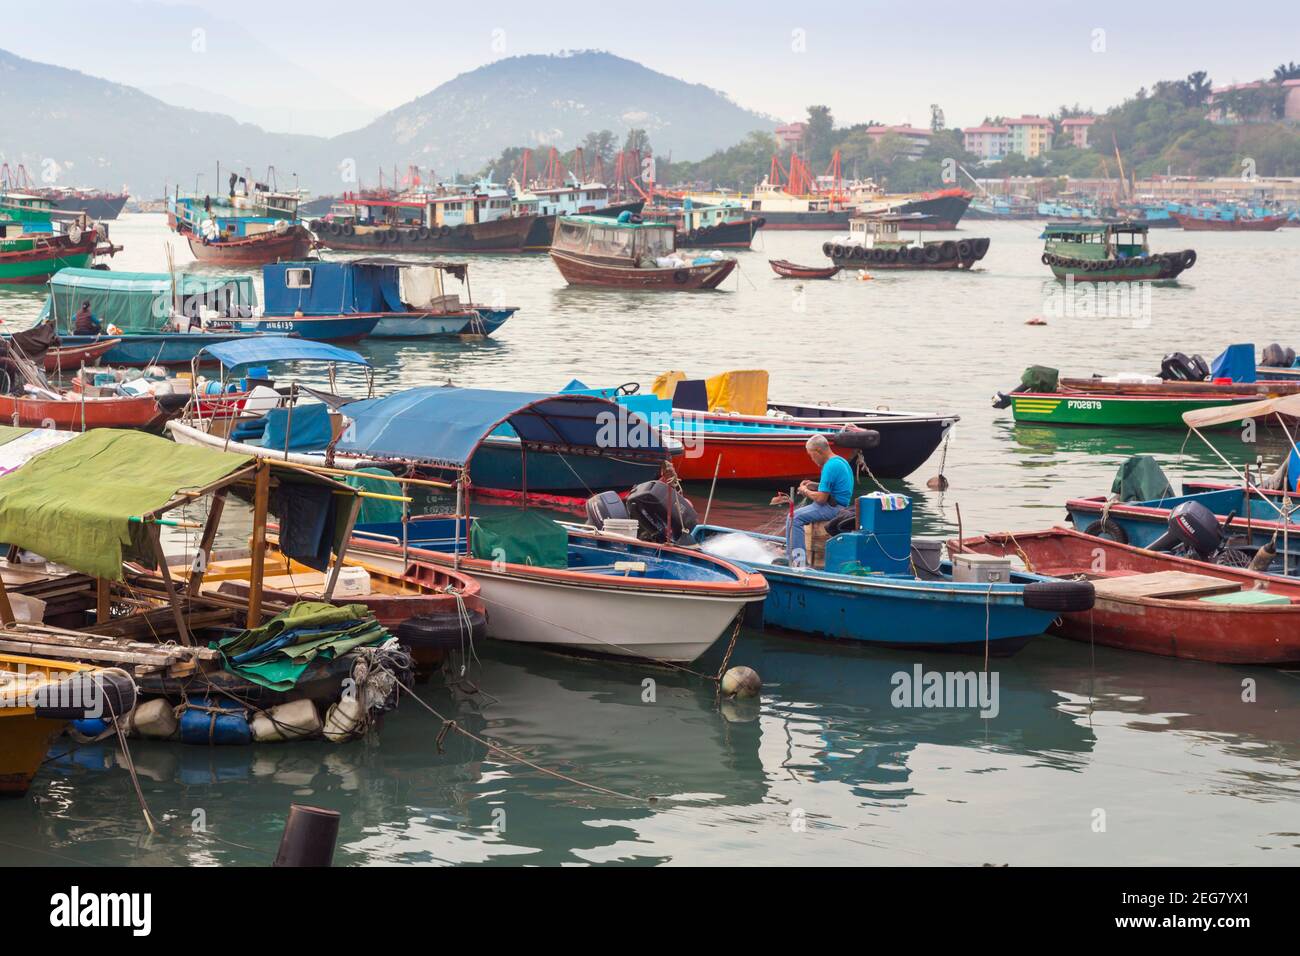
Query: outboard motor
{"points": [[657, 508], [1177, 367], [1194, 527], [605, 505]]}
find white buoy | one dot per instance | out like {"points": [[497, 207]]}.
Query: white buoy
{"points": [[741, 682]]}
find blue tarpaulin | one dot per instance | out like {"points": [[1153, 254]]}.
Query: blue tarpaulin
{"points": [[330, 288], [308, 430], [1237, 363], [444, 425], [279, 348]]}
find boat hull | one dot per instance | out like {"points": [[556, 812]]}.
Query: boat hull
{"points": [[318, 328], [1148, 268], [97, 208], [736, 234], [161, 348], [1111, 411], [590, 613], [500, 235], [291, 245], [804, 221], [581, 271], [421, 325], [73, 415], [772, 460], [792, 270], [1198, 224], [35, 266], [1189, 630]]}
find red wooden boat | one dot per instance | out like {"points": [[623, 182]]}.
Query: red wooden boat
{"points": [[598, 251], [792, 270], [778, 460], [75, 414], [68, 357], [1160, 604], [1261, 224], [291, 245]]}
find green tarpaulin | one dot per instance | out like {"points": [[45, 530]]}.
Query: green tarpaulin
{"points": [[8, 433], [73, 504], [143, 301], [276, 654], [526, 537], [376, 510]]}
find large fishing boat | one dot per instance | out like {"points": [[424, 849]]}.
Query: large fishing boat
{"points": [[722, 225], [95, 204], [474, 218], [621, 254], [1234, 221], [36, 242], [547, 203], [242, 228]]}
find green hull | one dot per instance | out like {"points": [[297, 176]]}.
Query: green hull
{"points": [[1106, 410], [1126, 273], [37, 271]]}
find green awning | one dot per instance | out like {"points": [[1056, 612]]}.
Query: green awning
{"points": [[73, 504], [142, 302]]}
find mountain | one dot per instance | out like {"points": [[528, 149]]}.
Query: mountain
{"points": [[70, 128], [541, 101]]}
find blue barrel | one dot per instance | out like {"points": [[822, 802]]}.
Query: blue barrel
{"points": [[214, 721]]}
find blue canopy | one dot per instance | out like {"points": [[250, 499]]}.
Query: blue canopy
{"points": [[279, 348], [444, 425], [1236, 363]]}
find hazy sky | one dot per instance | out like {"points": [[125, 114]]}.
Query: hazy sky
{"points": [[327, 62]]}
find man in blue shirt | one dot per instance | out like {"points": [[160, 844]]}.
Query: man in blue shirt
{"points": [[831, 493]]}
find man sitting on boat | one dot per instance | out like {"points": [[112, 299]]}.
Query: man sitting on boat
{"points": [[86, 323], [832, 492]]}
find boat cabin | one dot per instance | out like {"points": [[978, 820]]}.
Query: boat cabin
{"points": [[363, 287], [1096, 240], [596, 237], [559, 200], [770, 198], [148, 302], [883, 229]]}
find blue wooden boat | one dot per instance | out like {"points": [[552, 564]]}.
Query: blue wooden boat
{"points": [[399, 298], [317, 328], [876, 589]]}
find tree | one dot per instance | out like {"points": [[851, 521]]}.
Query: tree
{"points": [[638, 141], [1287, 71], [1198, 88], [599, 145], [818, 138]]}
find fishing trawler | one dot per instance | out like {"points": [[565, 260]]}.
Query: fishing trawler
{"points": [[36, 241], [621, 254], [547, 203], [241, 228]]}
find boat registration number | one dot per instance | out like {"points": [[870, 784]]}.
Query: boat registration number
{"points": [[287, 326], [1086, 405]]}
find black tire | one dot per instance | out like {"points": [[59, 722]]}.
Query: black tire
{"points": [[915, 254], [1048, 258], [760, 222], [335, 228], [948, 250], [964, 249], [1107, 529], [856, 438], [107, 693], [827, 248], [1064, 596], [444, 231], [891, 255], [877, 255], [981, 247], [1189, 258], [681, 276], [932, 253], [837, 251], [860, 253], [693, 235], [422, 233], [461, 230], [443, 632], [348, 229]]}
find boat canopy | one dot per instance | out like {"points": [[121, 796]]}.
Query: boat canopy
{"points": [[1064, 230], [361, 286], [602, 236], [279, 348], [86, 499], [142, 302], [1240, 411], [1236, 362], [444, 425]]}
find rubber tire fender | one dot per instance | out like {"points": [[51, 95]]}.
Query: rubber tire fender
{"points": [[1063, 596], [932, 253], [1107, 529]]}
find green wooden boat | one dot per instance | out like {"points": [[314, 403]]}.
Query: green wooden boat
{"points": [[1109, 252], [34, 246], [1123, 411]]}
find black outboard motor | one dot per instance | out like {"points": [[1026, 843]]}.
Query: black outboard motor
{"points": [[1194, 527], [1177, 367], [607, 504], [657, 507]]}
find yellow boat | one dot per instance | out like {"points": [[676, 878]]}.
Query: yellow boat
{"points": [[38, 697]]}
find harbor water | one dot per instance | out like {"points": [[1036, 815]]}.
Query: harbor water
{"points": [[1091, 756]]}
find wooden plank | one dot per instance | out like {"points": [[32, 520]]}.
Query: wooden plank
{"points": [[102, 608], [1163, 584], [173, 601], [209, 535]]}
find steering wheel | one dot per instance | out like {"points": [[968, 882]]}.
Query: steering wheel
{"points": [[629, 388]]}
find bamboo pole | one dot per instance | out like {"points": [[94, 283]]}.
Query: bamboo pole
{"points": [[101, 601], [257, 547]]}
